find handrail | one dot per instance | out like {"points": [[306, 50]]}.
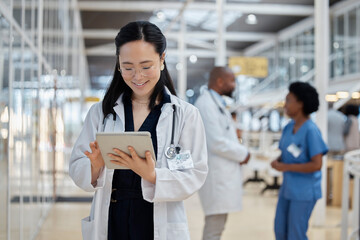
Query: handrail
{"points": [[351, 166]]}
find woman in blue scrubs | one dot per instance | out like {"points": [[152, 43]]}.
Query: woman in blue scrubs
{"points": [[302, 149]]}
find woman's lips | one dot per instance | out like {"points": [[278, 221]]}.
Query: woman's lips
{"points": [[140, 84]]}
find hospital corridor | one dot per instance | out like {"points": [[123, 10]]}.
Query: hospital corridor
{"points": [[180, 119], [255, 221]]}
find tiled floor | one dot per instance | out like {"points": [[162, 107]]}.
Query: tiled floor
{"points": [[254, 222]]}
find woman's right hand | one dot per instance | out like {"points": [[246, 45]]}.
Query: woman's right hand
{"points": [[96, 159]]}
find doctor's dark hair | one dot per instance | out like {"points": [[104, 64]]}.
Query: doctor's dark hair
{"points": [[306, 94], [351, 109], [134, 31]]}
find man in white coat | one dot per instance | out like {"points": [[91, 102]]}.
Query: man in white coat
{"points": [[222, 191]]}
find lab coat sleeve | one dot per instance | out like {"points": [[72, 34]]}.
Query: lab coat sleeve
{"points": [[80, 166], [178, 185], [218, 142]]}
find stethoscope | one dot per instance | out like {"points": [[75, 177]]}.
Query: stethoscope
{"points": [[171, 151], [217, 104], [220, 108]]}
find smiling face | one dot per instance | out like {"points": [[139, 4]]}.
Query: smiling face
{"points": [[140, 67]]}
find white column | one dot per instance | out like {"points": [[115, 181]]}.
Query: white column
{"points": [[2, 55], [10, 126], [321, 84], [182, 71], [220, 41]]}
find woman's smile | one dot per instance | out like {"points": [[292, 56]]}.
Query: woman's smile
{"points": [[139, 85]]}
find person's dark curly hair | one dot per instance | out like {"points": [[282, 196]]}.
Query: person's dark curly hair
{"points": [[351, 110], [306, 94]]}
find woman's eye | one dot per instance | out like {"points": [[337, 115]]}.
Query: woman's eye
{"points": [[146, 67], [128, 69]]}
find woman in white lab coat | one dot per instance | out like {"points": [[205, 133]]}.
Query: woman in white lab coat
{"points": [[144, 202]]}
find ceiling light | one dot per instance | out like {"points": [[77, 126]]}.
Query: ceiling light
{"points": [[331, 98], [179, 66], [336, 45], [292, 60], [193, 59], [355, 95], [251, 19], [4, 133], [160, 15], [342, 94], [304, 68], [4, 118], [189, 93]]}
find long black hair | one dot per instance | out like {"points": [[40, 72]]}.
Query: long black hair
{"points": [[133, 31]]}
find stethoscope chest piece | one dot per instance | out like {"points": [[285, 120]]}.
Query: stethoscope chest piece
{"points": [[170, 152]]}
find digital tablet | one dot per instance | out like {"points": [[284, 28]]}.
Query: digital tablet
{"points": [[140, 141]]}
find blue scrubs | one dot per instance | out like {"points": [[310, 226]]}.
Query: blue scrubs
{"points": [[299, 191]]}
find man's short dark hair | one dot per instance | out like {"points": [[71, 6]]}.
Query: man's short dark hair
{"points": [[351, 110], [306, 94]]}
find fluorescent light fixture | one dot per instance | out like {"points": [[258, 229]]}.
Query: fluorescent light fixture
{"points": [[331, 98], [251, 19], [342, 94], [355, 95]]}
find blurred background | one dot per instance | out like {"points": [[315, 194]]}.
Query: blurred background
{"points": [[58, 57]]}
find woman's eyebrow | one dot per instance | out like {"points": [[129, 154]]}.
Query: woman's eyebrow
{"points": [[146, 61]]}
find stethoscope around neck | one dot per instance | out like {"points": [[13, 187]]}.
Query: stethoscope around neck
{"points": [[171, 151], [220, 108], [217, 104]]}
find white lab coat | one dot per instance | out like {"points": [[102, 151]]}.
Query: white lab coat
{"points": [[171, 187], [222, 191]]}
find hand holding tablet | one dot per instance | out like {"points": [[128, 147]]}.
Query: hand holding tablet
{"points": [[139, 141]]}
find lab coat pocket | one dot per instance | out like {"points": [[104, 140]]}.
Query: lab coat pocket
{"points": [[87, 226], [177, 231]]}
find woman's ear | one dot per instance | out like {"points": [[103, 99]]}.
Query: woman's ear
{"points": [[162, 58]]}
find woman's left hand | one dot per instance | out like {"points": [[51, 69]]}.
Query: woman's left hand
{"points": [[144, 167], [279, 166]]}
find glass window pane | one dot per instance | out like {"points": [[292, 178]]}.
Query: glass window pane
{"points": [[4, 122], [352, 41]]}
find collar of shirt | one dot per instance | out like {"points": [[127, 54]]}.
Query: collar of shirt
{"points": [[218, 96]]}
